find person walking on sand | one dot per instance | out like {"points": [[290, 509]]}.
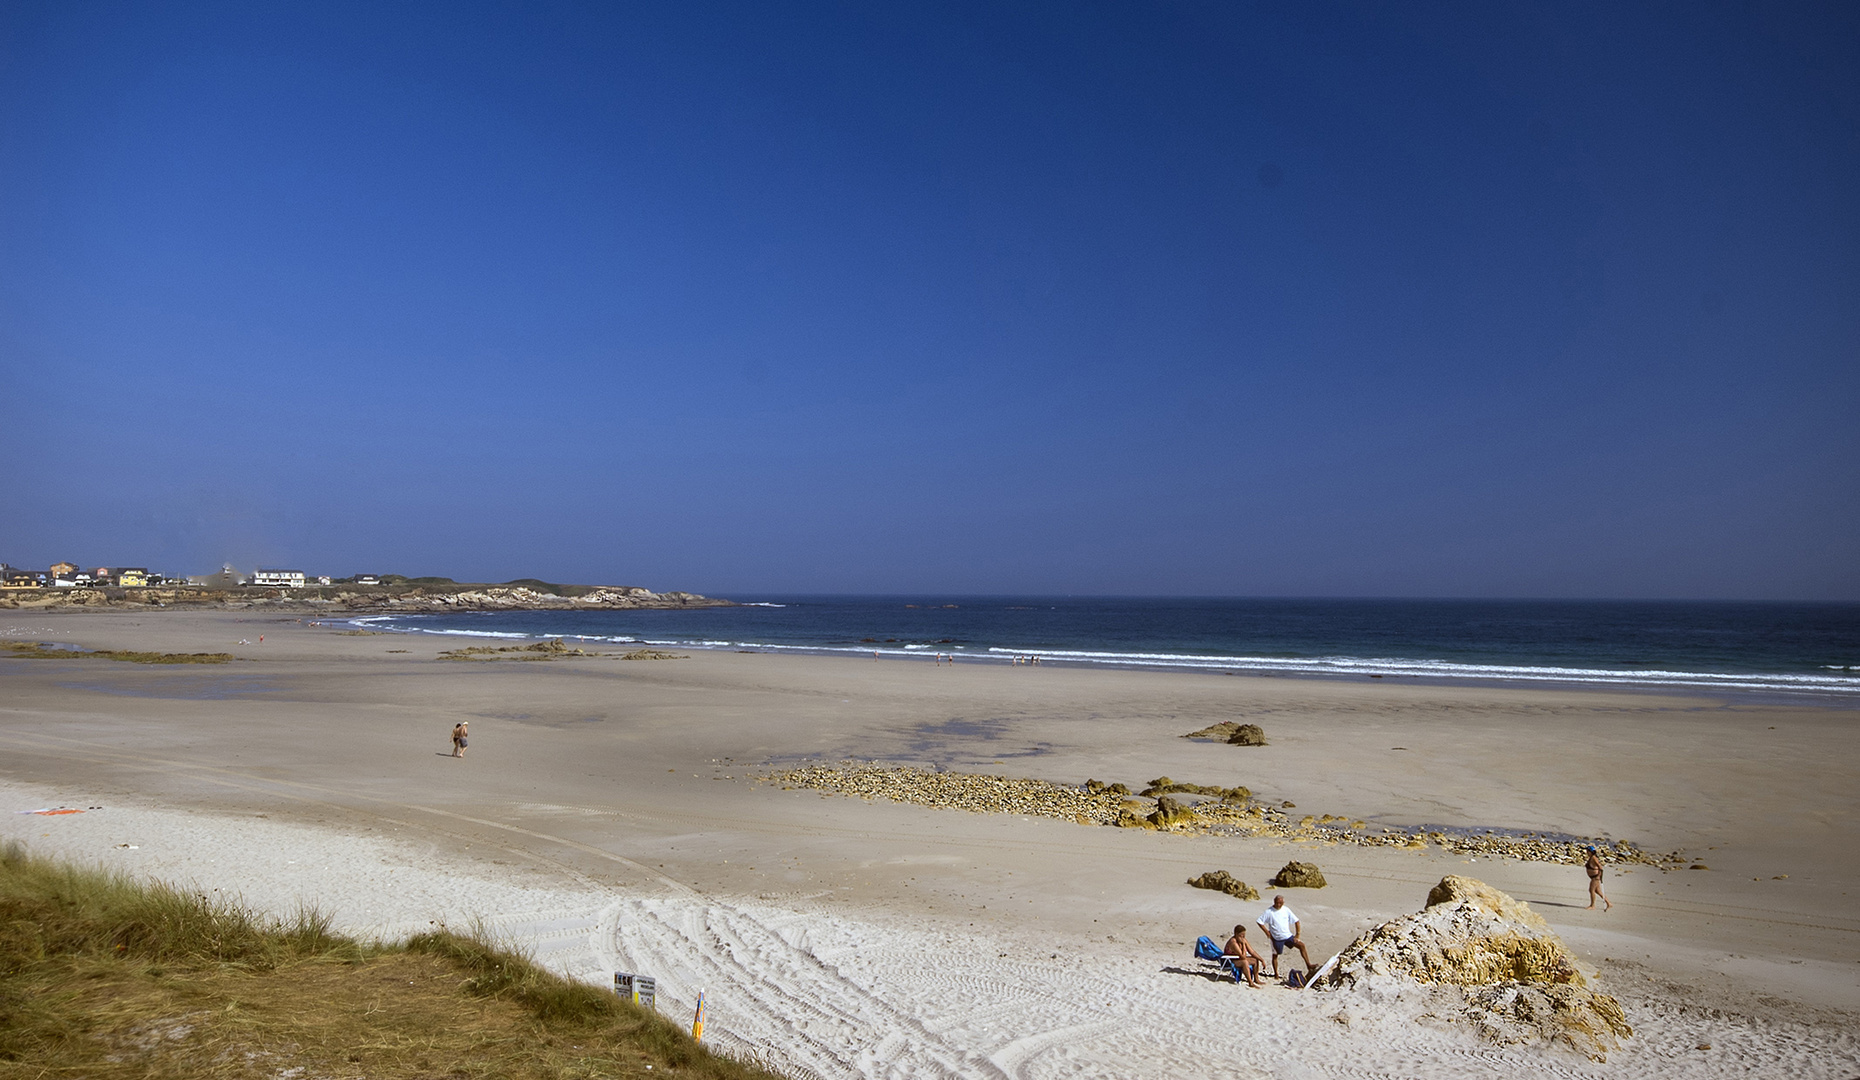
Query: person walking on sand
{"points": [[458, 739], [1240, 954], [1281, 927], [1594, 867]]}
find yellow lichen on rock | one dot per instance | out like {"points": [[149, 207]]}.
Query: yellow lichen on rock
{"points": [[1518, 981]]}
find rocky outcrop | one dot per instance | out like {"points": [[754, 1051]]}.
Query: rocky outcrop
{"points": [[1298, 875], [1228, 731], [1170, 812], [1501, 967], [1222, 881], [518, 597], [1162, 785]]}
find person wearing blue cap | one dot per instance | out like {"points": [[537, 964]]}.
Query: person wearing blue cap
{"points": [[1594, 866]]}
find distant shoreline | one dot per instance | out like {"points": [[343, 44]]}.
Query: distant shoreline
{"points": [[424, 597]]}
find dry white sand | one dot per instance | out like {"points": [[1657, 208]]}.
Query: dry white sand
{"points": [[603, 820]]}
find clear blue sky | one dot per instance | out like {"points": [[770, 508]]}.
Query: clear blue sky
{"points": [[1380, 299]]}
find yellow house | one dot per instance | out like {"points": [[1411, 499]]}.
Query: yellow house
{"points": [[132, 577]]}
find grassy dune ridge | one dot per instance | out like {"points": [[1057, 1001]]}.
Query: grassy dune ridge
{"points": [[103, 976]]}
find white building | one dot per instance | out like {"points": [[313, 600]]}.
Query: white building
{"points": [[286, 579]]}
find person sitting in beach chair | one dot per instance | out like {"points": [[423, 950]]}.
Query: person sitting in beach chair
{"points": [[1235, 964], [1240, 957]]}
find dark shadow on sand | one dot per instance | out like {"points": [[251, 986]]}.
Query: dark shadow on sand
{"points": [[1204, 974]]}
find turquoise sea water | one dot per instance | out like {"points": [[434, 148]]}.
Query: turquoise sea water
{"points": [[1793, 649]]}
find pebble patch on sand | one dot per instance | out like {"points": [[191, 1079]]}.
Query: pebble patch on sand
{"points": [[1094, 803]]}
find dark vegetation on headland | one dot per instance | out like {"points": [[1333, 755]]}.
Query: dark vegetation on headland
{"points": [[104, 977], [395, 593]]}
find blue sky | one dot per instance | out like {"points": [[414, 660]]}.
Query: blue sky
{"points": [[1380, 299]]}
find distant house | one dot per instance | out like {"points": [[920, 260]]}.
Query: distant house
{"points": [[103, 575], [11, 578], [62, 569], [285, 579], [133, 577], [64, 575], [323, 579]]}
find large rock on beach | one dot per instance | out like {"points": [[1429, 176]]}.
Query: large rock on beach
{"points": [[1222, 881], [1508, 974], [1298, 875], [1248, 735]]}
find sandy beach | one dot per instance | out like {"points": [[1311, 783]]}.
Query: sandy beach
{"points": [[615, 815]]}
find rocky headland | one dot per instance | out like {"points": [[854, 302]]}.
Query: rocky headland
{"points": [[420, 596]]}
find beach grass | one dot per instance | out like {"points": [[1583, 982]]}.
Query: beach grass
{"points": [[103, 976], [30, 650]]}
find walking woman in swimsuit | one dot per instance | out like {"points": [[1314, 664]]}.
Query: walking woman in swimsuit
{"points": [[458, 744], [1594, 866]]}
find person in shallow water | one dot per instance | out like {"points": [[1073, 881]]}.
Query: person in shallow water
{"points": [[458, 739], [1281, 927], [1594, 867]]}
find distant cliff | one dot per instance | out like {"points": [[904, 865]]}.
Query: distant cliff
{"points": [[426, 596]]}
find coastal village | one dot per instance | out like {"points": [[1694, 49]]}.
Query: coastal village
{"points": [[66, 584], [66, 575]]}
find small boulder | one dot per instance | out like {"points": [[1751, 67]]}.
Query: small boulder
{"points": [[1248, 735], [1222, 881], [1169, 813], [1298, 875], [1222, 731]]}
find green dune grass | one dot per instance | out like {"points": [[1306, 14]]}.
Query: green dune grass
{"points": [[105, 977]]}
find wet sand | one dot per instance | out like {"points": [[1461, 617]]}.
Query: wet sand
{"points": [[608, 813]]}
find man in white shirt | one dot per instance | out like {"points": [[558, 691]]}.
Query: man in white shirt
{"points": [[1281, 927]]}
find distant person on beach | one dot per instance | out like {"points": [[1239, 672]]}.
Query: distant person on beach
{"points": [[1281, 927], [1594, 867], [1240, 953], [458, 739]]}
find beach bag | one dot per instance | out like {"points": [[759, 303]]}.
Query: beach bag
{"points": [[1206, 949], [1295, 979]]}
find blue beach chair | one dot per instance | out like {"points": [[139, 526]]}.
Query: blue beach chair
{"points": [[1206, 949]]}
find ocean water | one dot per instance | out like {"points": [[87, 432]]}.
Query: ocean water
{"points": [[1795, 649]]}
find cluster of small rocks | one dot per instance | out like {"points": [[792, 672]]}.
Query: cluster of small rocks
{"points": [[978, 792], [1259, 819], [540, 650], [1223, 809]]}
